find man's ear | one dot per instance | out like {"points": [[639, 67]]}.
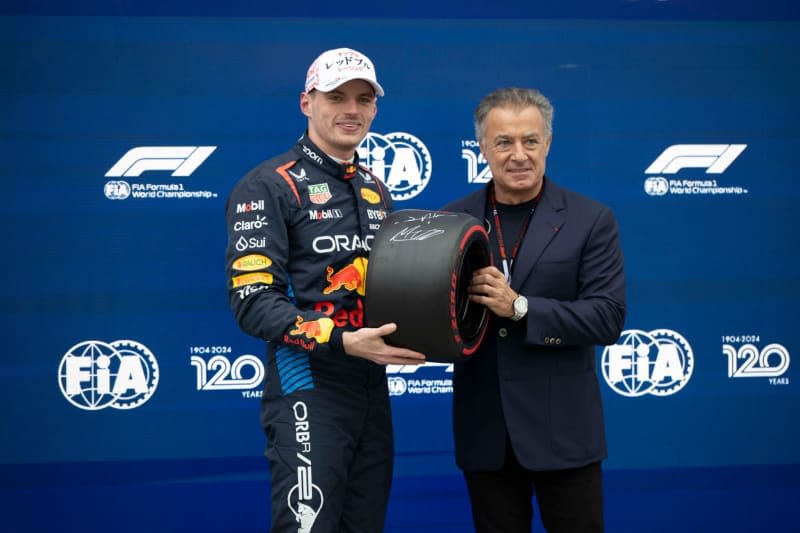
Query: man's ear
{"points": [[305, 104]]}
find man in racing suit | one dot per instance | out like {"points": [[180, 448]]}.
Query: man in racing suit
{"points": [[299, 232]]}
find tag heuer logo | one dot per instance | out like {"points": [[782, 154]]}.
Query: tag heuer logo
{"points": [[319, 194]]}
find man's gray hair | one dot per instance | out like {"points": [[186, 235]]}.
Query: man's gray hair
{"points": [[515, 98]]}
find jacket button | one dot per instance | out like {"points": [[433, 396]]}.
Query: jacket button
{"points": [[547, 340], [558, 341], [503, 332]]}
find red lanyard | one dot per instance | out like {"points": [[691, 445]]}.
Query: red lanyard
{"points": [[508, 264]]}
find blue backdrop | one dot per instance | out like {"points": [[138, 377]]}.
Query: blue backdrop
{"points": [[128, 391]]}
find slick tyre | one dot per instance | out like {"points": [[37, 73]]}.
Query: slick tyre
{"points": [[420, 267]]}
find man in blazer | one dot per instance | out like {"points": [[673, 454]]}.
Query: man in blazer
{"points": [[527, 412]]}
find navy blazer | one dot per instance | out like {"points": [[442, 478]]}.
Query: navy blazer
{"points": [[536, 379]]}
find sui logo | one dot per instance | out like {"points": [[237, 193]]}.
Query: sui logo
{"points": [[398, 159], [94, 375], [659, 362]]}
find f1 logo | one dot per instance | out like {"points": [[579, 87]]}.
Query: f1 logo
{"points": [[183, 160], [715, 158]]}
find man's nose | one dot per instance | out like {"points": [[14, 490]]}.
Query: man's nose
{"points": [[518, 151], [351, 106]]}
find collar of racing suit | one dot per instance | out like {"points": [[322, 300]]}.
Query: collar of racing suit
{"points": [[312, 153]]}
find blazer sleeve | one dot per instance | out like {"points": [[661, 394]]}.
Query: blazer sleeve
{"points": [[588, 308]]}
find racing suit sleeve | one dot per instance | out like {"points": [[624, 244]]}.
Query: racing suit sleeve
{"points": [[259, 289]]}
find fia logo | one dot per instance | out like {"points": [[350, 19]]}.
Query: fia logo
{"points": [[658, 362], [117, 190], [94, 375], [398, 159], [397, 386]]}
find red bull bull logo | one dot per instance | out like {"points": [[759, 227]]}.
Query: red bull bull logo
{"points": [[319, 330], [352, 277]]}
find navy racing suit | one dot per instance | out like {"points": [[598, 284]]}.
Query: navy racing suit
{"points": [[299, 232]]}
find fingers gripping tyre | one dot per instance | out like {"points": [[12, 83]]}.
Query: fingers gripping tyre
{"points": [[420, 267]]}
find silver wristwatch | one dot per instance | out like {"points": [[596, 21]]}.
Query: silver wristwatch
{"points": [[520, 307]]}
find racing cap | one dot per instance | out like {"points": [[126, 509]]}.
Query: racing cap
{"points": [[340, 65]]}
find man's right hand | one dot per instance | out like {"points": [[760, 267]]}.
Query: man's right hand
{"points": [[368, 343]]}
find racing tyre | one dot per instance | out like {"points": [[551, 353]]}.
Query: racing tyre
{"points": [[420, 266]]}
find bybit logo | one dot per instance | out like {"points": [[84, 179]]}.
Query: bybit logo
{"points": [[182, 160]]}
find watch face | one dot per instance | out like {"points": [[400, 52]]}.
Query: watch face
{"points": [[521, 305]]}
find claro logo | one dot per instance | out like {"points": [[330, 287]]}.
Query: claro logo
{"points": [[182, 160]]}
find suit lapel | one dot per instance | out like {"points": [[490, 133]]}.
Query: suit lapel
{"points": [[544, 225]]}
